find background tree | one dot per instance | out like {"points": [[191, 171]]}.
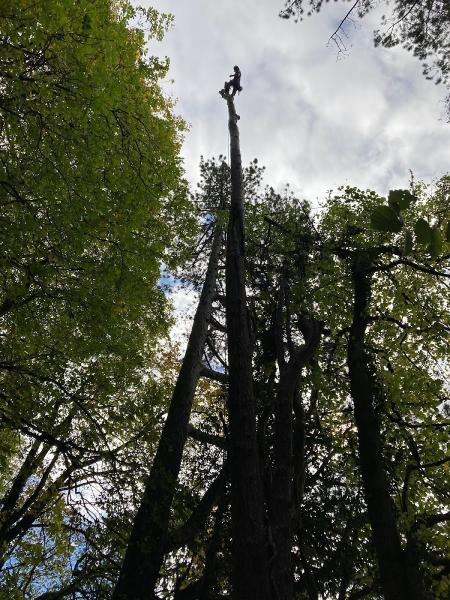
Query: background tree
{"points": [[314, 258], [90, 212], [420, 26]]}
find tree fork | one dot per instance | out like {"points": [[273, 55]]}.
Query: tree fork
{"points": [[249, 572], [148, 540]]}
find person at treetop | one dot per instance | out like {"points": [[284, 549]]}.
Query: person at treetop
{"points": [[235, 83]]}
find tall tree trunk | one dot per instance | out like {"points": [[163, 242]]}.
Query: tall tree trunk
{"points": [[281, 496], [380, 506], [282, 493], [203, 588], [298, 484], [146, 547], [249, 575], [210, 573]]}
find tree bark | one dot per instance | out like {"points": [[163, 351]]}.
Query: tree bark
{"points": [[380, 507], [282, 493], [12, 496], [196, 522], [281, 512], [300, 455], [203, 588], [249, 557], [210, 573], [148, 540]]}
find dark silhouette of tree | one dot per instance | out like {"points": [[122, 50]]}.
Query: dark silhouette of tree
{"points": [[250, 574]]}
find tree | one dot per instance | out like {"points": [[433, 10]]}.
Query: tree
{"points": [[148, 540], [310, 406], [90, 212], [299, 271], [420, 26], [401, 570], [250, 576]]}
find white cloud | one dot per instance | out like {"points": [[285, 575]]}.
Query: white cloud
{"points": [[184, 303], [314, 121]]}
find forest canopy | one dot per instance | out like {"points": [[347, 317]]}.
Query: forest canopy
{"points": [[296, 445], [93, 205]]}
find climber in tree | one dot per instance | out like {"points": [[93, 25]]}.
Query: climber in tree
{"points": [[235, 83]]}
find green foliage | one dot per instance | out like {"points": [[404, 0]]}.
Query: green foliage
{"points": [[435, 242], [408, 243], [9, 442], [93, 205], [390, 219], [422, 231], [400, 199], [93, 201], [406, 342], [386, 218]]}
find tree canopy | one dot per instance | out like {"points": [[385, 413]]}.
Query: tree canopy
{"points": [[93, 206], [420, 26], [297, 448], [303, 275]]}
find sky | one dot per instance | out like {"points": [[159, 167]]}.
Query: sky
{"points": [[315, 118]]}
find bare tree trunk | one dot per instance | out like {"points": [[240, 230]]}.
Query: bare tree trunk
{"points": [[380, 506], [298, 485], [210, 573], [281, 497], [148, 540], [250, 579]]}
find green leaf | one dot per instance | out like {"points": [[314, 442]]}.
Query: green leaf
{"points": [[400, 198], [436, 242], [87, 22], [422, 231], [385, 218], [407, 243], [447, 235]]}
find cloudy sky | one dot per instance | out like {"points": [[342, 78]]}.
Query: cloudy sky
{"points": [[315, 119]]}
